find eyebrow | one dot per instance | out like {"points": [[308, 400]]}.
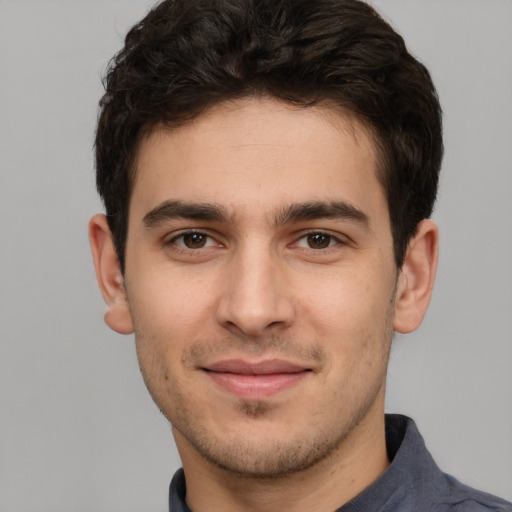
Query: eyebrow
{"points": [[169, 210], [322, 210], [296, 212]]}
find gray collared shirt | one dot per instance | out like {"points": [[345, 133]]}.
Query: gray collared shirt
{"points": [[412, 482]]}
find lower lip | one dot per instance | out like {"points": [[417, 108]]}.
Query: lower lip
{"points": [[256, 386]]}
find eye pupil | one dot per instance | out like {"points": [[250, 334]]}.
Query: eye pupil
{"points": [[194, 240], [319, 240]]}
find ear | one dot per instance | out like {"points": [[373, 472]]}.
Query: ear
{"points": [[416, 278], [109, 276]]}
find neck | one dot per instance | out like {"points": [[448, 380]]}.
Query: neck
{"points": [[328, 485]]}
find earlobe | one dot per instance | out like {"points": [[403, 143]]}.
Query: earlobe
{"points": [[109, 276], [416, 278]]}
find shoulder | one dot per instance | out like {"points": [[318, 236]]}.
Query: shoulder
{"points": [[458, 497], [418, 482]]}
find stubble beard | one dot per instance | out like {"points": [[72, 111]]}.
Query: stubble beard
{"points": [[275, 458]]}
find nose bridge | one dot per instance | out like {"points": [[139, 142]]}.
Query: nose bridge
{"points": [[254, 297]]}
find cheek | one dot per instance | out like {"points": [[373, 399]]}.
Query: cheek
{"points": [[345, 300], [170, 304], [162, 332], [350, 314], [170, 312]]}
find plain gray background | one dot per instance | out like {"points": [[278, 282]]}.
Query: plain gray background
{"points": [[78, 431]]}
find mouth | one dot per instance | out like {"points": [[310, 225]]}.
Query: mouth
{"points": [[258, 380]]}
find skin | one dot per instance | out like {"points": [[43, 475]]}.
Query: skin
{"points": [[235, 252]]}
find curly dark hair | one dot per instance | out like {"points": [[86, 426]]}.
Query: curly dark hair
{"points": [[187, 55]]}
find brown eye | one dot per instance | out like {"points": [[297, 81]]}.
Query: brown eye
{"points": [[319, 240], [194, 240]]}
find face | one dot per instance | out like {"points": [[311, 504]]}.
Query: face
{"points": [[261, 283]]}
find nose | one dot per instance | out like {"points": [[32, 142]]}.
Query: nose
{"points": [[255, 296]]}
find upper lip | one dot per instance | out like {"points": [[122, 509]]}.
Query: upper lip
{"points": [[266, 367]]}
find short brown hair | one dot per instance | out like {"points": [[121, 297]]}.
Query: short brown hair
{"points": [[187, 55]]}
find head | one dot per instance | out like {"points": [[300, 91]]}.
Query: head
{"points": [[267, 168], [187, 56]]}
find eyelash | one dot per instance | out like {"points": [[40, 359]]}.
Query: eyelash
{"points": [[174, 240], [332, 241]]}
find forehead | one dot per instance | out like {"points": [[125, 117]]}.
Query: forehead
{"points": [[259, 154]]}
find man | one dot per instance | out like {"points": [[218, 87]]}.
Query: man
{"points": [[268, 170]]}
